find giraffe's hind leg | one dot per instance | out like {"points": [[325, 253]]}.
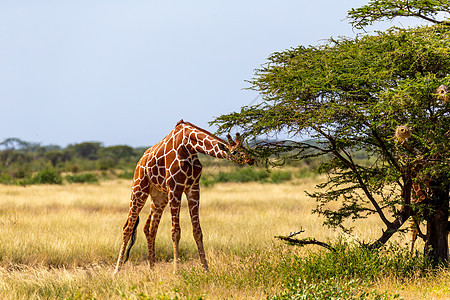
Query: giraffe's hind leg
{"points": [[414, 232], [138, 199], [159, 202]]}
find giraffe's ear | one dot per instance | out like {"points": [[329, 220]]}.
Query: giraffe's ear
{"points": [[238, 138], [230, 140]]}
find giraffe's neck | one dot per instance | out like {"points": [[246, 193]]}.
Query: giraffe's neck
{"points": [[201, 141], [420, 191]]}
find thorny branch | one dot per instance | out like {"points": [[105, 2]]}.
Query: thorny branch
{"points": [[306, 241]]}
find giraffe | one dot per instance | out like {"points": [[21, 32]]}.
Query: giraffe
{"points": [[421, 189], [166, 171], [420, 192]]}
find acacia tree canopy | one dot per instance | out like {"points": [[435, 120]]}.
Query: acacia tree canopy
{"points": [[351, 94], [435, 11]]}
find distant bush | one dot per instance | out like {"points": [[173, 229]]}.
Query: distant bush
{"points": [[305, 172], [47, 176], [5, 178], [126, 175], [105, 163], [280, 176], [246, 174], [82, 178], [207, 180], [242, 175]]}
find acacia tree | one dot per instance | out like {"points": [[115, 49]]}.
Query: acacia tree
{"points": [[352, 94]]}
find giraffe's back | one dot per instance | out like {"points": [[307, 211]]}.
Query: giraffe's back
{"points": [[169, 163]]}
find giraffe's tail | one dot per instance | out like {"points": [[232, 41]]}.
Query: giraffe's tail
{"points": [[132, 240]]}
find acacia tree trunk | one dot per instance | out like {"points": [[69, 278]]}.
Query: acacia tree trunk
{"points": [[436, 243]]}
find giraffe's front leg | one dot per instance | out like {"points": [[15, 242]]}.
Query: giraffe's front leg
{"points": [[193, 203], [175, 205]]}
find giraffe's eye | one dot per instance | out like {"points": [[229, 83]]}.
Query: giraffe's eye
{"points": [[234, 152], [223, 147]]}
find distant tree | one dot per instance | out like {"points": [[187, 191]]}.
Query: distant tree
{"points": [[57, 156], [117, 152], [110, 157], [18, 144], [87, 150], [351, 95]]}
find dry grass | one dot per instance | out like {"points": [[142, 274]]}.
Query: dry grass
{"points": [[62, 242]]}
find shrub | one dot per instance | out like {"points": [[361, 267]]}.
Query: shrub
{"points": [[242, 175], [5, 178], [280, 176], [246, 174], [82, 178], [126, 175], [346, 273], [329, 289], [47, 176], [207, 180], [305, 172], [352, 261]]}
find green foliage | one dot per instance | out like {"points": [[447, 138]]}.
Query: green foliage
{"points": [[110, 157], [47, 176], [348, 96], [82, 178], [20, 159], [279, 176], [356, 261], [246, 174], [378, 10], [329, 289], [135, 294], [87, 150], [346, 273], [129, 174]]}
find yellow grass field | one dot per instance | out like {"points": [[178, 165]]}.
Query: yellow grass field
{"points": [[62, 241]]}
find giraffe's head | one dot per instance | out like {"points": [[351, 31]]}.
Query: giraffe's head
{"points": [[237, 152]]}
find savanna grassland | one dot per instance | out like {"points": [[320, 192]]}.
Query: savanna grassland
{"points": [[62, 241]]}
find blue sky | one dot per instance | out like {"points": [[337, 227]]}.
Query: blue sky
{"points": [[125, 72]]}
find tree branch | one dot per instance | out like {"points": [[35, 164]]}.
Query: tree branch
{"points": [[382, 145], [361, 183], [307, 241], [402, 216]]}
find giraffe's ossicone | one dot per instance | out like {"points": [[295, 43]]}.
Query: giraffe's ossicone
{"points": [[165, 172]]}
